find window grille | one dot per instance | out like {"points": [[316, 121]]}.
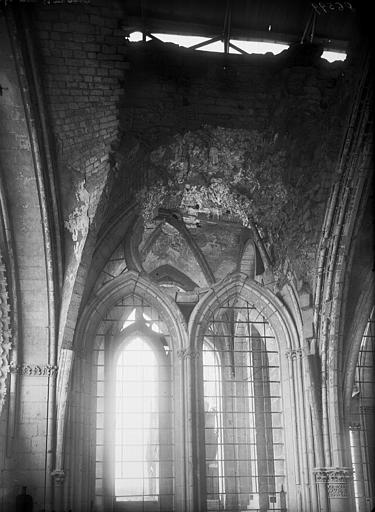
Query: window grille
{"points": [[134, 416], [244, 446], [363, 423]]}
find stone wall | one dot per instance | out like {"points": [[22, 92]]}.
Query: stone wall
{"points": [[23, 420], [110, 105], [295, 100], [81, 64]]}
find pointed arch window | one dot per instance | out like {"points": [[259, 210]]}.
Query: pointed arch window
{"points": [[135, 415], [362, 445], [243, 426], [136, 420], [237, 438], [214, 431]]}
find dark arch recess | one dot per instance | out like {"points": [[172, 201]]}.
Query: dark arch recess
{"points": [[166, 274]]}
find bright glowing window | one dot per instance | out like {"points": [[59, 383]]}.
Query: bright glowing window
{"points": [[260, 47], [136, 37], [213, 424], [250, 47], [332, 56], [137, 423], [215, 46], [134, 413], [185, 41], [131, 319]]}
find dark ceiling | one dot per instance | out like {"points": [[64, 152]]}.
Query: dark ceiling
{"points": [[335, 23]]}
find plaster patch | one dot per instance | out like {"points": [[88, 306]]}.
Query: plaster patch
{"points": [[78, 222]]}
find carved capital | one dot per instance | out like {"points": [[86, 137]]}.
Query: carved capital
{"points": [[321, 476], [294, 353], [355, 426], [188, 353], [59, 476], [336, 480], [367, 409], [35, 370]]}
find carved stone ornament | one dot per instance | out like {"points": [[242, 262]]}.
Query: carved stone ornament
{"points": [[188, 352], [338, 483], [35, 370], [321, 476], [355, 427], [336, 480], [294, 353], [5, 334], [367, 409], [59, 476]]}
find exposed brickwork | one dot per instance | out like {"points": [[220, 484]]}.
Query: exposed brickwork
{"points": [[300, 101], [82, 62], [80, 59]]}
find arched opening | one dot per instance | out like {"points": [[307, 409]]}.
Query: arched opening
{"points": [[213, 426], [142, 453], [137, 414], [244, 439], [134, 413], [362, 426]]}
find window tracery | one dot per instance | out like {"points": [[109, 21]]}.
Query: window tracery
{"points": [[134, 412], [362, 424], [243, 424]]}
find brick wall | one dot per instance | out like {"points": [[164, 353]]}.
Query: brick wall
{"points": [[81, 54], [299, 100], [81, 63], [93, 99]]}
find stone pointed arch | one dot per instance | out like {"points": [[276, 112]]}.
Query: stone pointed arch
{"points": [[170, 274], [250, 259], [263, 299], [247, 259], [344, 211], [362, 314], [121, 286], [292, 381], [105, 299]]}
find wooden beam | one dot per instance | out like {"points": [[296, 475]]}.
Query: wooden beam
{"points": [[205, 43], [196, 29]]}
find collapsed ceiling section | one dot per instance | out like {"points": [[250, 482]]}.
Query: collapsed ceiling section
{"points": [[184, 260], [330, 24]]}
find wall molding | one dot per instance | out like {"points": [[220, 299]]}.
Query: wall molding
{"points": [[5, 334], [336, 479], [188, 353], [34, 370]]}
